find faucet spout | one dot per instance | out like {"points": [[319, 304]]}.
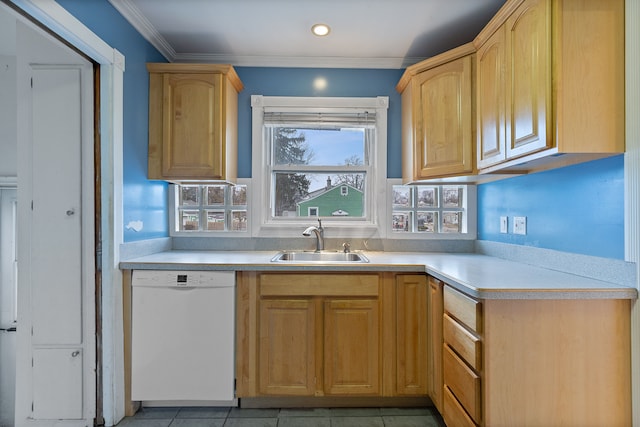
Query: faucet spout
{"points": [[319, 232]]}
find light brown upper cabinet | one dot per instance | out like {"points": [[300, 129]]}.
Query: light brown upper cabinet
{"points": [[193, 122], [438, 116], [550, 84]]}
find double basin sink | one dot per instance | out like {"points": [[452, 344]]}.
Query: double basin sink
{"points": [[319, 257]]}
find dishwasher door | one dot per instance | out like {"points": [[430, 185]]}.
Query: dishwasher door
{"points": [[183, 336]]}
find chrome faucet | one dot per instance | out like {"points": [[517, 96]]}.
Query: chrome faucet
{"points": [[319, 231]]}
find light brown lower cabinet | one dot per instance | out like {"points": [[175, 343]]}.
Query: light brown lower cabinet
{"points": [[536, 362], [319, 334]]}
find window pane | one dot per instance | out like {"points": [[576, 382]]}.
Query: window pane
{"points": [[427, 197], [296, 193], [451, 222], [451, 196], [215, 194], [190, 220], [402, 196], [239, 195], [215, 220], [427, 222], [239, 220], [318, 147], [401, 221], [189, 195]]}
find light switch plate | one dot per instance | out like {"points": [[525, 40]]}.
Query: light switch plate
{"points": [[504, 224], [519, 225]]}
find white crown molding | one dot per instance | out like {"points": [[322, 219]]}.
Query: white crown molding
{"points": [[133, 15], [298, 61]]}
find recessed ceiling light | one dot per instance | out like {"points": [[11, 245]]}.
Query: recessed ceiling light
{"points": [[320, 30]]}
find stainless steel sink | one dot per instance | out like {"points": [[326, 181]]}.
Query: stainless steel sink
{"points": [[319, 257]]}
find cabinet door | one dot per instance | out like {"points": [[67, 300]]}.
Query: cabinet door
{"points": [[412, 334], [491, 101], [192, 126], [351, 347], [528, 72], [287, 347], [444, 123], [436, 311]]}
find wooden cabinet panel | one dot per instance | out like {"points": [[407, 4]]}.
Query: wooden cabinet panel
{"points": [[287, 347], [438, 112], [491, 101], [528, 78], [454, 414], [463, 382], [434, 375], [466, 344], [412, 334], [463, 308], [193, 112], [351, 347]]}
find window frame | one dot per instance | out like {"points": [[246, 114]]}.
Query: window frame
{"points": [[470, 213], [264, 224], [174, 230]]}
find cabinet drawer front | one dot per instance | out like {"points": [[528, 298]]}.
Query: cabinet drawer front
{"points": [[453, 413], [319, 284], [465, 309], [463, 342], [463, 382]]}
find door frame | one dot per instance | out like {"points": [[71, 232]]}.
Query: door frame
{"points": [[110, 93]]}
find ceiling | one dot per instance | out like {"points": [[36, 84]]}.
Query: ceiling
{"points": [[276, 33]]}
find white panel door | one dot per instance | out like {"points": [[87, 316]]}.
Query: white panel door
{"points": [[57, 383], [56, 211]]}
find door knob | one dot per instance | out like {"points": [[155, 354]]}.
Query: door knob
{"points": [[71, 212]]}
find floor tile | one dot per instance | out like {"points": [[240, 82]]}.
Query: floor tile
{"points": [[251, 422], [357, 422], [407, 411], [355, 412], [203, 412], [253, 413], [304, 422], [164, 413], [410, 421], [141, 422], [304, 412], [197, 422]]}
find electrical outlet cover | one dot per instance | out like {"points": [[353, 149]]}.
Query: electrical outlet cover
{"points": [[519, 225], [504, 224]]}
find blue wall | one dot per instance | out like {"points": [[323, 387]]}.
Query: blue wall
{"points": [[577, 209], [144, 200], [300, 82]]}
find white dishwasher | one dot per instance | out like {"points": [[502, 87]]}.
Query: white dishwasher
{"points": [[183, 336]]}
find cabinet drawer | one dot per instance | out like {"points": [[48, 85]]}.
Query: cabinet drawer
{"points": [[319, 284], [465, 309], [466, 344], [463, 382], [453, 413]]}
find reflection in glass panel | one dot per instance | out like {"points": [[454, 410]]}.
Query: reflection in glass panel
{"points": [[295, 193], [318, 147], [427, 221], [215, 220], [189, 195], [239, 195], [215, 194], [190, 220], [427, 196], [239, 220], [451, 222], [401, 221]]}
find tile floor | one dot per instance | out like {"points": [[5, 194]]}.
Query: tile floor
{"points": [[316, 417]]}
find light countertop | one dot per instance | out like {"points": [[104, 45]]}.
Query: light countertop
{"points": [[480, 276]]}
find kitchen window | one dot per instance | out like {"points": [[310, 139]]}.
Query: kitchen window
{"points": [[322, 158], [208, 208]]}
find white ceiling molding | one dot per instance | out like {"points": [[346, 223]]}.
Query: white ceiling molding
{"points": [[133, 15]]}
